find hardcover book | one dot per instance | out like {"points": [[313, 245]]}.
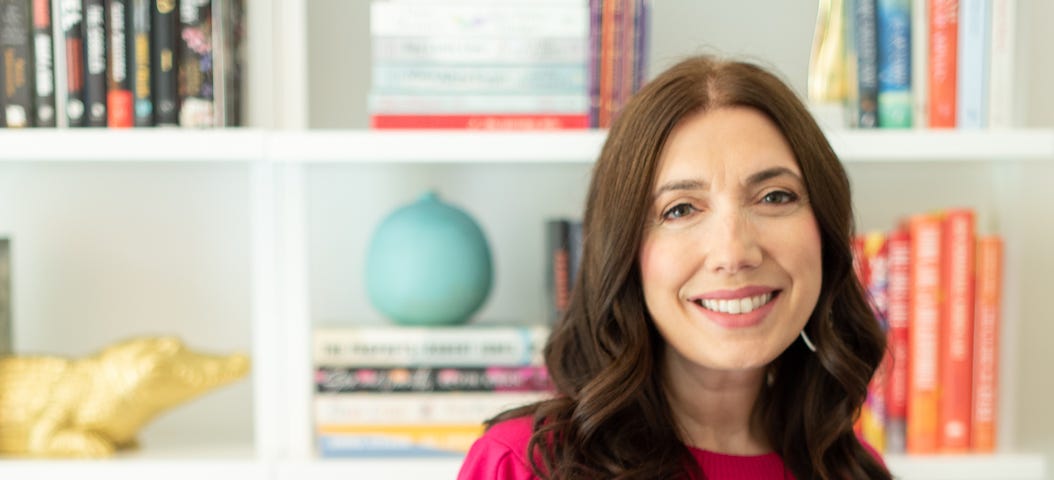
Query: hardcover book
{"points": [[44, 59], [16, 53], [95, 81]]}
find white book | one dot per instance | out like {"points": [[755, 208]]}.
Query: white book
{"points": [[1001, 99], [379, 103], [479, 20], [920, 56], [362, 409], [58, 63], [429, 346], [972, 88], [460, 49]]}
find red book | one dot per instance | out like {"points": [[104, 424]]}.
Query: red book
{"points": [[956, 345], [897, 316], [923, 328], [482, 121], [944, 45], [989, 297]]}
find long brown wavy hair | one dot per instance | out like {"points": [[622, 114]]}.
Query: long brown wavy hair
{"points": [[610, 417]]}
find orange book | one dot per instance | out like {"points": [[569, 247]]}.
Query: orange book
{"points": [[944, 46], [923, 328], [956, 331], [986, 342], [897, 315]]}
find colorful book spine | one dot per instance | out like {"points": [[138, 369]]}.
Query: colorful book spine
{"points": [[923, 331], [956, 331], [16, 55], [333, 411], [140, 68], [533, 121], [480, 20], [479, 79], [418, 346], [163, 60], [414, 441], [986, 345], [593, 65], [72, 22], [454, 50], [898, 315], [95, 80], [943, 62], [866, 33], [44, 58], [1001, 100], [119, 99], [873, 413], [431, 379], [196, 100], [382, 103], [972, 90], [894, 64], [557, 233]]}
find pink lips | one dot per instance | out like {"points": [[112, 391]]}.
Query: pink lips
{"points": [[740, 320]]}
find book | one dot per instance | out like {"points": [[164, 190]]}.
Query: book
{"points": [[431, 104], [920, 64], [164, 49], [455, 50], [196, 89], [873, 417], [398, 441], [44, 63], [956, 330], [71, 20], [470, 346], [339, 410], [1001, 100], [865, 47], [972, 89], [987, 320], [95, 79], [923, 331], [478, 79], [6, 327], [479, 20], [481, 121], [943, 62], [16, 54], [119, 99], [895, 106], [898, 315], [140, 68], [228, 51], [558, 280], [431, 379]]}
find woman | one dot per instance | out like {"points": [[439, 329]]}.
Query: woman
{"points": [[716, 329]]}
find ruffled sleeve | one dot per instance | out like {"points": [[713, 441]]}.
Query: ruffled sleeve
{"points": [[500, 454]]}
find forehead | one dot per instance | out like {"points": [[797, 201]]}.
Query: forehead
{"points": [[724, 141]]}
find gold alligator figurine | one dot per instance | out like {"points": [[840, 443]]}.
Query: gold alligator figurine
{"points": [[92, 407]]}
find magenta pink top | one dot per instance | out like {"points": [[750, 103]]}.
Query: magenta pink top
{"points": [[501, 454]]}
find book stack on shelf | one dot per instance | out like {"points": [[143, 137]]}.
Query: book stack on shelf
{"points": [[121, 63], [902, 64], [516, 65], [420, 391], [936, 285]]}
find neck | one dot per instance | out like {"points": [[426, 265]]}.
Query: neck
{"points": [[713, 408]]}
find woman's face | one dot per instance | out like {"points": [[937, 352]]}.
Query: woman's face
{"points": [[731, 256]]}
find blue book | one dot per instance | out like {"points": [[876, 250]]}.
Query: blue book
{"points": [[866, 33], [894, 64]]}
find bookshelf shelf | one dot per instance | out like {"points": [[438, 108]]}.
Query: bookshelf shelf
{"points": [[134, 145]]}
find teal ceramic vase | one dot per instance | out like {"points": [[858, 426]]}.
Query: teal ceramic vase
{"points": [[428, 264]]}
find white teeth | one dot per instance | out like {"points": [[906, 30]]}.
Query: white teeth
{"points": [[737, 305]]}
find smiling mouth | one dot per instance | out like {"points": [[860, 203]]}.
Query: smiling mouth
{"points": [[737, 306]]}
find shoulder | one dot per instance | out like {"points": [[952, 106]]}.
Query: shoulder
{"points": [[501, 453]]}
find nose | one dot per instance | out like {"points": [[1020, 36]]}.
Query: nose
{"points": [[731, 243]]}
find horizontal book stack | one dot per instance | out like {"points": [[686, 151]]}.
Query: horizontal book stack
{"points": [[922, 64], [479, 64], [121, 63], [936, 285], [420, 391]]}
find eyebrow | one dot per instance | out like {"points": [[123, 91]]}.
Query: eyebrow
{"points": [[753, 179]]}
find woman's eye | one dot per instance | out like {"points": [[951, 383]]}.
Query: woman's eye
{"points": [[678, 211], [779, 197]]}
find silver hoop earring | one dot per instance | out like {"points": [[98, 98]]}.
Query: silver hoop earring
{"points": [[808, 343]]}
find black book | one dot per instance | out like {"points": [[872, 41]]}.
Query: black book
{"points": [[95, 56], [16, 55], [71, 18], [164, 56], [44, 59], [140, 63], [196, 99]]}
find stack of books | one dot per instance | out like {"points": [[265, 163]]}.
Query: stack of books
{"points": [[420, 391]]}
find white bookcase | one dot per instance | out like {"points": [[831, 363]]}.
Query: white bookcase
{"points": [[248, 238]]}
